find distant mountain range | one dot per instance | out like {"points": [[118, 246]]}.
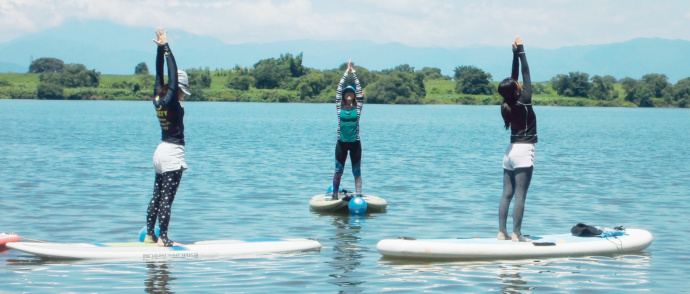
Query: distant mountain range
{"points": [[116, 49]]}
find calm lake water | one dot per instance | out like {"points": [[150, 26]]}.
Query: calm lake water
{"points": [[81, 171]]}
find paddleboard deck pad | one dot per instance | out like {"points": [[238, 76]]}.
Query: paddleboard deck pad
{"points": [[560, 245], [150, 251], [6, 238], [325, 203]]}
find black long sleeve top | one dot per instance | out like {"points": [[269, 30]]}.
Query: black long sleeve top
{"points": [[523, 121], [168, 109]]}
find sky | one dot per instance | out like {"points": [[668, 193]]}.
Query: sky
{"points": [[419, 23]]}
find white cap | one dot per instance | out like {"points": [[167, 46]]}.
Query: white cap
{"points": [[183, 81]]}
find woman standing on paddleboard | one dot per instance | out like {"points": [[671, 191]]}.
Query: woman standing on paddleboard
{"points": [[518, 161], [348, 102], [168, 160]]}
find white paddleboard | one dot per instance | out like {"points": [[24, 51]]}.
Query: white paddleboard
{"points": [[561, 245], [150, 251], [324, 203]]}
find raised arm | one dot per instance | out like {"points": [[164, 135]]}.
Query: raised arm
{"points": [[516, 66], [172, 76], [159, 70], [164, 50], [358, 90], [339, 90], [526, 96]]}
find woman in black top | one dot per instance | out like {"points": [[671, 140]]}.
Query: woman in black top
{"points": [[168, 160], [518, 161]]}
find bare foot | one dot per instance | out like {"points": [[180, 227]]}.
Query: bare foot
{"points": [[520, 238], [160, 243], [149, 239], [502, 236]]}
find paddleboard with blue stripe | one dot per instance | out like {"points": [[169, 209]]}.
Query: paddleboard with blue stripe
{"points": [[150, 251]]}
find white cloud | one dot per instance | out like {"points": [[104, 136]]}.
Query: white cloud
{"points": [[413, 22]]}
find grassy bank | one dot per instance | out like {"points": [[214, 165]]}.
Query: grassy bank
{"points": [[122, 87], [443, 92]]}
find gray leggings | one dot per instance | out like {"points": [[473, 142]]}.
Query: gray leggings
{"points": [[515, 183]]}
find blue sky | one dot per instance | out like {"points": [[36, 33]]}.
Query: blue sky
{"points": [[420, 23]]}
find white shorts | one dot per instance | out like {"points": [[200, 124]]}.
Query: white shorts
{"points": [[518, 156], [168, 157]]}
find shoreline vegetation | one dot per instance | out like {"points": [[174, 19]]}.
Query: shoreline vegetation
{"points": [[284, 79]]}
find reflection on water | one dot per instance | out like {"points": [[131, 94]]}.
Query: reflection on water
{"points": [[520, 276], [511, 279], [159, 278], [347, 254]]}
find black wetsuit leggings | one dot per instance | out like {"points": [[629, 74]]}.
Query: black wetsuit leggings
{"points": [[160, 207], [515, 183], [341, 150]]}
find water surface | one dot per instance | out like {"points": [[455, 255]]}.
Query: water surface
{"points": [[81, 171]]}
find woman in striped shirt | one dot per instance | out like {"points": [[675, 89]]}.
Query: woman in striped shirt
{"points": [[348, 102]]}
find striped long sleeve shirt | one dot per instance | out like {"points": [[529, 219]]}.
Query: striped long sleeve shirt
{"points": [[359, 98]]}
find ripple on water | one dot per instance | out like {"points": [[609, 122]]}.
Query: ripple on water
{"points": [[253, 167]]}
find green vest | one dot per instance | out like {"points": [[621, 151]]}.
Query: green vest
{"points": [[348, 125]]}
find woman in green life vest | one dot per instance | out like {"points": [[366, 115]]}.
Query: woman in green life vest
{"points": [[348, 102]]}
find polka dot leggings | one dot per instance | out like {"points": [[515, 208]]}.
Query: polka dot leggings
{"points": [[160, 207]]}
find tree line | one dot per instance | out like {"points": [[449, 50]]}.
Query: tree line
{"points": [[653, 90], [398, 85], [55, 75], [286, 79]]}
